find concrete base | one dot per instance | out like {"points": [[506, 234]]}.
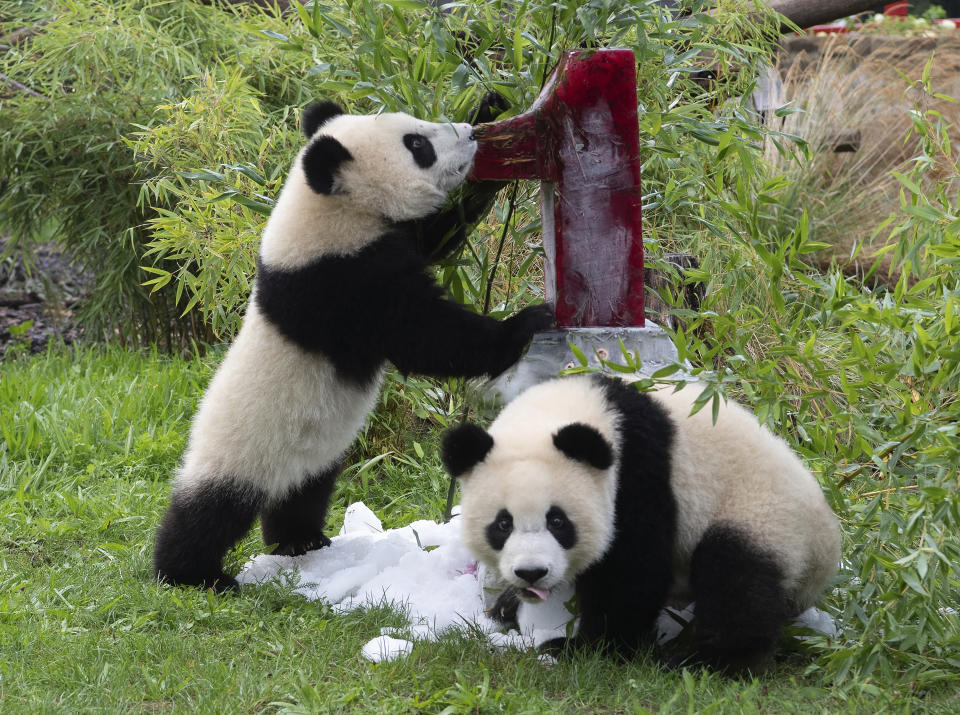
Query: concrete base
{"points": [[550, 352]]}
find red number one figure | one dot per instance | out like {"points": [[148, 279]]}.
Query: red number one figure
{"points": [[581, 139]]}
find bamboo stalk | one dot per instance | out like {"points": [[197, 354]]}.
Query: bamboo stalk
{"points": [[886, 491]]}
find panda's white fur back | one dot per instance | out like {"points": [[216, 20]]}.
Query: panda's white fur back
{"points": [[305, 226], [272, 414], [739, 472]]}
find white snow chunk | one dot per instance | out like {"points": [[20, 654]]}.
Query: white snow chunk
{"points": [[817, 620], [359, 519], [386, 648], [671, 622], [422, 569]]}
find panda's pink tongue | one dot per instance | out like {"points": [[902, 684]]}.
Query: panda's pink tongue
{"points": [[538, 592]]}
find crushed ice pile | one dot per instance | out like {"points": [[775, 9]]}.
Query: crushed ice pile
{"points": [[422, 569]]}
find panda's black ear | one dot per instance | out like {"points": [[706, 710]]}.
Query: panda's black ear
{"points": [[316, 114], [584, 444], [321, 162], [464, 447]]}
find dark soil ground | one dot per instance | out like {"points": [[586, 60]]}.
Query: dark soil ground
{"points": [[37, 298]]}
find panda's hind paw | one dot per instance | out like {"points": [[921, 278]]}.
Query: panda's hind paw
{"points": [[557, 647], [219, 582], [299, 547], [731, 665]]}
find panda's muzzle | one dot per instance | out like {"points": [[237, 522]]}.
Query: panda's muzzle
{"points": [[531, 576]]}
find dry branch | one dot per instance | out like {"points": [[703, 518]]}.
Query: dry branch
{"points": [[282, 5], [806, 13], [11, 82], [17, 38]]}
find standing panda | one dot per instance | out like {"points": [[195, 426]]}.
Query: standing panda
{"points": [[639, 505], [341, 288]]}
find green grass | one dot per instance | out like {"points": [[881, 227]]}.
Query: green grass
{"points": [[90, 438]]}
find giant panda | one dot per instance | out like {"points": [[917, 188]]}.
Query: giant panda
{"points": [[638, 504], [341, 288]]}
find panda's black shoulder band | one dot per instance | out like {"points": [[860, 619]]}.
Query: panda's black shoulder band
{"points": [[584, 444], [464, 447], [316, 114]]}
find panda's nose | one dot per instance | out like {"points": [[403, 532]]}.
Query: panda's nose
{"points": [[531, 576]]}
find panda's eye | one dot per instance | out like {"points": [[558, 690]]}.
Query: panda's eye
{"points": [[563, 530], [421, 149], [499, 530], [558, 522]]}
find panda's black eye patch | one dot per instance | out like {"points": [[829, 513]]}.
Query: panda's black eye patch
{"points": [[561, 527], [499, 530], [421, 148]]}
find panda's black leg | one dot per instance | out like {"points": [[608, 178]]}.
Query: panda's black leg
{"points": [[200, 526], [741, 606], [295, 523]]}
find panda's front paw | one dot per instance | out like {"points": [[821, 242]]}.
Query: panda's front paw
{"points": [[530, 320], [516, 332], [299, 547], [491, 106], [505, 609]]}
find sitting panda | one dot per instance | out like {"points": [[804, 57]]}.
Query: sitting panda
{"points": [[638, 505], [341, 288]]}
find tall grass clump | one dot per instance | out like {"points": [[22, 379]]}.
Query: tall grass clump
{"points": [[862, 85]]}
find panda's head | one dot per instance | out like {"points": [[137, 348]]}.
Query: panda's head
{"points": [[537, 497], [394, 165]]}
